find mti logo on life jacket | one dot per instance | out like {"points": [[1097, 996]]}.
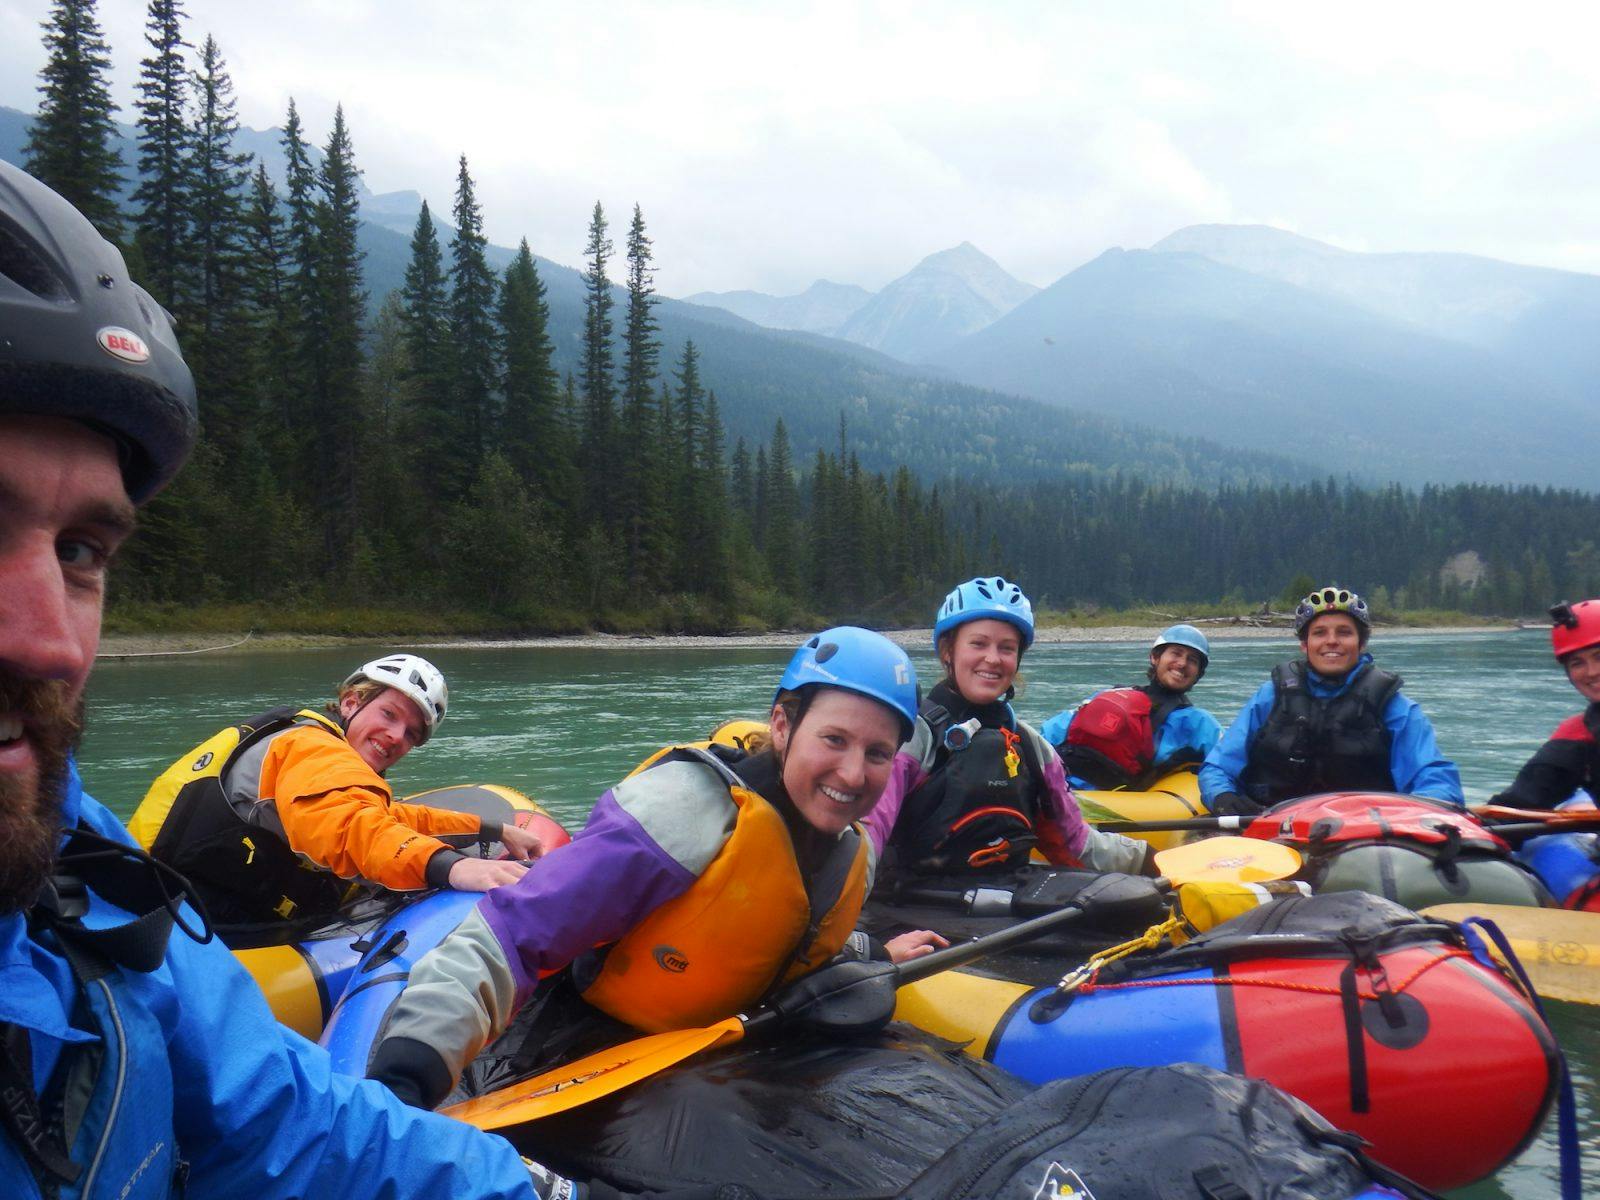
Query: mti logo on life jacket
{"points": [[123, 343], [204, 761], [668, 958]]}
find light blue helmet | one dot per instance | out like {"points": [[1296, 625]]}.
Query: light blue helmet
{"points": [[1185, 635], [856, 660], [985, 598]]}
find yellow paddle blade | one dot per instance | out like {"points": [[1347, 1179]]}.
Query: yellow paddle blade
{"points": [[1558, 948], [590, 1078], [1235, 859]]}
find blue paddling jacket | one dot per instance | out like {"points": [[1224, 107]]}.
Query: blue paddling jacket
{"points": [[1417, 765], [178, 1081]]}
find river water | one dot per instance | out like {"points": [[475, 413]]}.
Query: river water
{"points": [[563, 724]]}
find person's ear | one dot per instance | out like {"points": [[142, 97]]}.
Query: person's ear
{"points": [[778, 729], [348, 704]]}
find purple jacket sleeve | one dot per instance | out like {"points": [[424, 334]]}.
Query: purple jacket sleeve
{"points": [[615, 872], [904, 776]]}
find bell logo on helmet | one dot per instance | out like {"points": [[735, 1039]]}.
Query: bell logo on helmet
{"points": [[123, 343]]}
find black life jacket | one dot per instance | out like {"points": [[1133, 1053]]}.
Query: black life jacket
{"points": [[1112, 739], [1313, 744], [977, 807], [246, 872]]}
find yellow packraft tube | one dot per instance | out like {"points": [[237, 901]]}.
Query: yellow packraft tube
{"points": [[1174, 797]]}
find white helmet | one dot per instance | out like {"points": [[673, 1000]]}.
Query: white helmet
{"points": [[413, 677]]}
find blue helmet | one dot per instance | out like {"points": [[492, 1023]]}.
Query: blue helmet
{"points": [[1185, 635], [856, 660], [991, 598]]}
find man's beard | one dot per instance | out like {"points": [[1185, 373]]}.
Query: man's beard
{"points": [[30, 808]]}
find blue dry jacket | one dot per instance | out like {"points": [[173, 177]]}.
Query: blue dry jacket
{"points": [[1415, 761], [1188, 734], [192, 1080]]}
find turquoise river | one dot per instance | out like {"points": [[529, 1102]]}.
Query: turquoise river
{"points": [[563, 723]]}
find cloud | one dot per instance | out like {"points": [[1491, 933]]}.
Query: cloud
{"points": [[771, 144]]}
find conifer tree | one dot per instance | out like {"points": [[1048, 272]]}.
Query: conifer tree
{"points": [[266, 281], [690, 502], [72, 142], [162, 199], [340, 308], [473, 351], [712, 550], [300, 201], [599, 400], [426, 317], [783, 514], [642, 490], [532, 440], [217, 318]]}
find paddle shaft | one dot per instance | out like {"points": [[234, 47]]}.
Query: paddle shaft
{"points": [[1003, 939], [1213, 824]]}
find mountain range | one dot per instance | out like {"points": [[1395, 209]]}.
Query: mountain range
{"points": [[1416, 367], [895, 413]]}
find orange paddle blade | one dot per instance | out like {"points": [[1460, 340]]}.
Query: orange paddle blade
{"points": [[1231, 859], [590, 1078]]}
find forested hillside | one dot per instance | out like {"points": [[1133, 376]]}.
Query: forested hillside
{"points": [[540, 448]]}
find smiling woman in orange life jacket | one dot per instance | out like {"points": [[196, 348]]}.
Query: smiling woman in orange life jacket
{"points": [[707, 878], [974, 788], [1331, 721], [246, 813]]}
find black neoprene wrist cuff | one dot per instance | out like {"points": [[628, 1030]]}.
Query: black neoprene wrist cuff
{"points": [[411, 1070], [437, 872]]}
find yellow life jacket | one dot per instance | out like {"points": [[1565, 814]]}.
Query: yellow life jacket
{"points": [[244, 870], [748, 924]]}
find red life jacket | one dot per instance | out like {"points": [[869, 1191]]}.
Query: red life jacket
{"points": [[1116, 725]]}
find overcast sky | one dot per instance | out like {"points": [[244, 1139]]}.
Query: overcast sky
{"points": [[774, 144]]}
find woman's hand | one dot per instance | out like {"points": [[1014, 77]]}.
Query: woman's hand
{"points": [[481, 874], [914, 945], [519, 843]]}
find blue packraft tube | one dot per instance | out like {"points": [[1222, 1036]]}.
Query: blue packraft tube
{"points": [[390, 952]]}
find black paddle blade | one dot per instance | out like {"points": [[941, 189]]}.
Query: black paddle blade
{"points": [[1057, 889], [843, 997]]}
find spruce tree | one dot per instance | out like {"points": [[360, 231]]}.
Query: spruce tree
{"points": [[300, 201], [783, 514], [532, 437], [72, 141], [473, 349], [597, 449], [689, 503], [217, 319], [641, 485], [340, 309], [266, 281], [162, 199], [713, 547], [432, 424]]}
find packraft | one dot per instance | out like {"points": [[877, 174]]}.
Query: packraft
{"points": [[1386, 1024], [1567, 863], [307, 971], [1410, 849]]}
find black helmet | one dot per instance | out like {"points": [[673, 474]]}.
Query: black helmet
{"points": [[79, 339]]}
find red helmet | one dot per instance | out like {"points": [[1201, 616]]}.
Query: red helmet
{"points": [[1576, 627]]}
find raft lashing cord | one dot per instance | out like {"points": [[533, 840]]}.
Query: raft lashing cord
{"points": [[1477, 930]]}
